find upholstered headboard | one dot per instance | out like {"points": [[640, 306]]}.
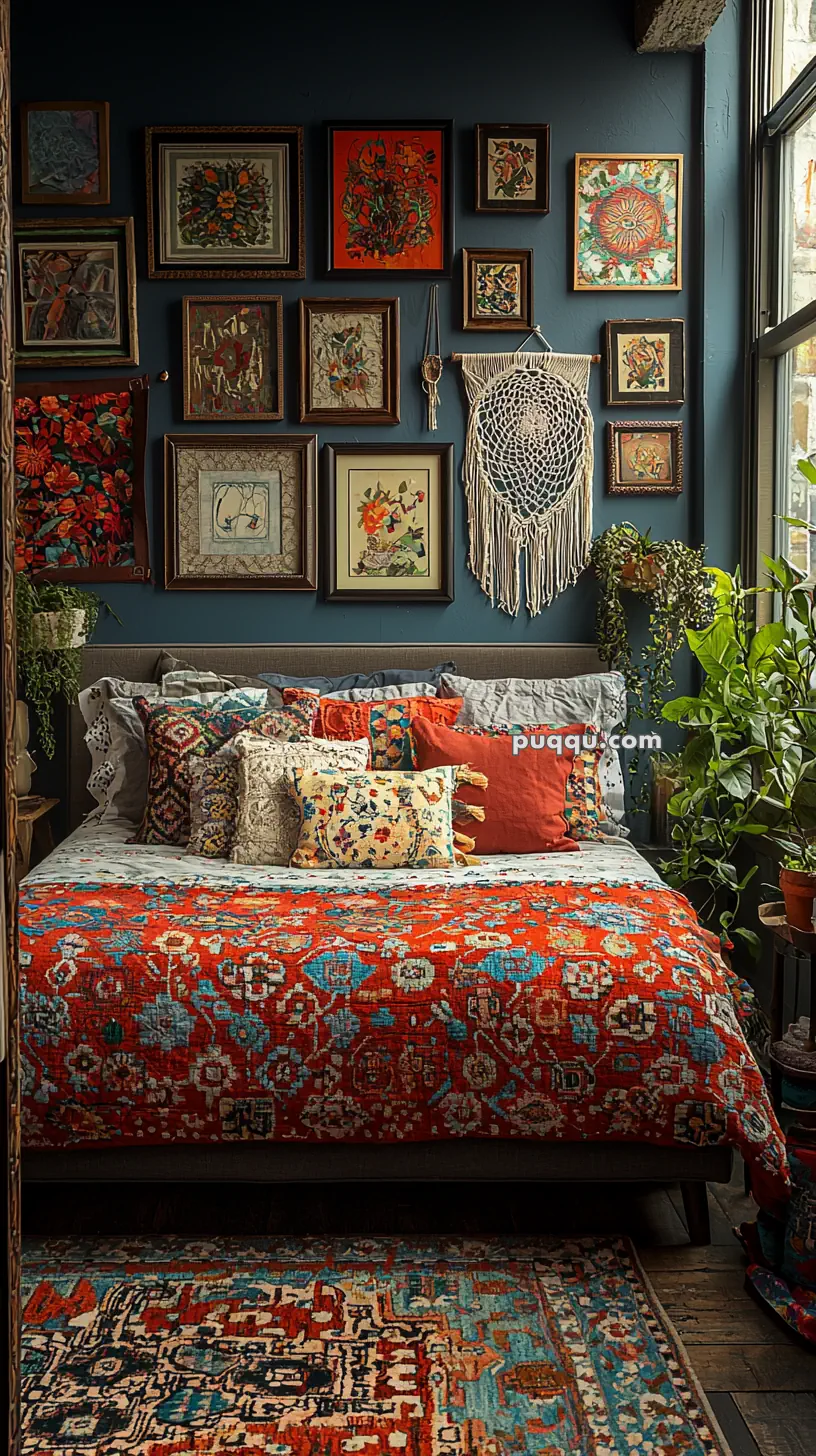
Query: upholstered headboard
{"points": [[138, 664]]}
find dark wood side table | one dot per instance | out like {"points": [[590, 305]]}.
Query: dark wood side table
{"points": [[33, 827], [792, 1052]]}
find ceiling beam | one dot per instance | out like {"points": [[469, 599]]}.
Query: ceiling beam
{"points": [[674, 25]]}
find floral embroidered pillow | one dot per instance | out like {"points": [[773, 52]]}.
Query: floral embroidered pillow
{"points": [[177, 734], [267, 825], [386, 724], [373, 820]]}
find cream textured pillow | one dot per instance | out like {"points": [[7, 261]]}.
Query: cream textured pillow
{"points": [[268, 819]]}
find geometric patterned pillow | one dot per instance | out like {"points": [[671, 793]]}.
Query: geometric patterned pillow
{"points": [[386, 724], [176, 735]]}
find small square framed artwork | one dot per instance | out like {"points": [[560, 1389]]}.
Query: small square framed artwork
{"points": [[645, 457], [65, 152], [76, 291], [645, 362], [498, 288], [512, 167], [233, 357], [240, 512], [349, 361], [225, 202], [628, 221], [388, 517]]}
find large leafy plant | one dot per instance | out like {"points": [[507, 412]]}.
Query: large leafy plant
{"points": [[53, 669], [749, 765]]}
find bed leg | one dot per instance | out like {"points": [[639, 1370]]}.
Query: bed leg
{"points": [[695, 1207]]}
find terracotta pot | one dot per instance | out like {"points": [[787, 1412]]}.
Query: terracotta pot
{"points": [[799, 892]]}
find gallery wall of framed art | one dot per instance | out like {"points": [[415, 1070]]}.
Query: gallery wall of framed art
{"points": [[266, 244]]}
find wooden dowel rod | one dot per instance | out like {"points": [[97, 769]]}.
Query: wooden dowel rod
{"points": [[455, 358]]}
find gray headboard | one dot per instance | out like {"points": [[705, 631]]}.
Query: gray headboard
{"points": [[138, 664]]}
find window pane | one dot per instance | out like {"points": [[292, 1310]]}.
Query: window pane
{"points": [[796, 402], [798, 233], [795, 27]]}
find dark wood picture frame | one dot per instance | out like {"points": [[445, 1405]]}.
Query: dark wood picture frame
{"points": [[335, 593], [540, 201], [446, 183], [140, 390], [675, 393], [80, 229], [616, 486], [30, 196], [275, 304], [305, 447], [473, 256], [222, 137], [389, 413]]}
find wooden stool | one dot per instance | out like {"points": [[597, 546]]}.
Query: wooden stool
{"points": [[32, 823]]}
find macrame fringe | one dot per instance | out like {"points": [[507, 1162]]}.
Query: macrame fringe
{"points": [[461, 810]]}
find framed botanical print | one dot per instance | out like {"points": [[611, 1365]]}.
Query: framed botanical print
{"points": [[225, 202], [76, 292], [349, 361], [512, 167], [240, 512], [65, 152], [233, 357], [628, 221], [388, 517], [645, 361], [498, 288], [391, 199], [79, 456], [645, 457]]}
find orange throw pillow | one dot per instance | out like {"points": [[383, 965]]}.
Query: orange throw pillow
{"points": [[525, 801], [384, 722]]}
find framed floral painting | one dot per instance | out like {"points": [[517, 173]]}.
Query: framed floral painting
{"points": [[498, 288], [389, 523], [628, 221], [512, 167], [240, 512], [645, 362], [79, 451], [645, 458], [225, 202], [391, 199], [233, 357], [349, 361], [65, 152], [76, 292]]}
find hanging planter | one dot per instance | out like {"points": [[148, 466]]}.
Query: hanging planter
{"points": [[58, 631], [54, 621]]}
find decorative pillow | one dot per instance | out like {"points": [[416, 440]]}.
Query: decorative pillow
{"points": [[525, 806], [386, 694], [95, 706], [385, 724], [180, 678], [176, 734], [267, 827], [383, 677], [591, 697], [373, 820]]}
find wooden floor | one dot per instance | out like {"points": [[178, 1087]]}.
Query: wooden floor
{"points": [[760, 1381]]}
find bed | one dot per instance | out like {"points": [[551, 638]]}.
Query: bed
{"points": [[551, 1017]]}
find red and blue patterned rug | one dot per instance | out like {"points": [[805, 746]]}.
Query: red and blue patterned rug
{"points": [[292, 1347]]}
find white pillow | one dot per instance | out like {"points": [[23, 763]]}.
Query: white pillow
{"points": [[394, 690], [268, 820]]}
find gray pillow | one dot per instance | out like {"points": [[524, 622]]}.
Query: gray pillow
{"points": [[598, 698], [382, 678], [180, 679]]}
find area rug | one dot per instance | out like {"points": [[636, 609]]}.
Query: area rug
{"points": [[309, 1347]]}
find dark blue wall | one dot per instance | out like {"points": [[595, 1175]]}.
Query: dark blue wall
{"points": [[571, 65]]}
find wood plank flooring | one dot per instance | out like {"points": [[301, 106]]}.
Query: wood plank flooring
{"points": [[760, 1381]]}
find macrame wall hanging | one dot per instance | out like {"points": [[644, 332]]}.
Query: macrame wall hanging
{"points": [[528, 473]]}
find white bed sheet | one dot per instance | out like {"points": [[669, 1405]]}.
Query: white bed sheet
{"points": [[100, 854]]}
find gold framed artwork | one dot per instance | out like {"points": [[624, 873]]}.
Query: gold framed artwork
{"points": [[240, 512], [349, 361], [512, 167], [645, 362], [65, 152], [628, 221], [388, 523], [225, 202], [645, 457], [498, 288], [233, 357], [76, 291]]}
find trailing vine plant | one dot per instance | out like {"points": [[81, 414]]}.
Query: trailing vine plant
{"points": [[48, 663]]}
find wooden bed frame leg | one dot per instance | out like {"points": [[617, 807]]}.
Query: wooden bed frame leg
{"points": [[695, 1207]]}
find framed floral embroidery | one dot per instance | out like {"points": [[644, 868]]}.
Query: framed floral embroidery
{"points": [[233, 357], [79, 453], [628, 221], [76, 292], [349, 361], [498, 288], [512, 167]]}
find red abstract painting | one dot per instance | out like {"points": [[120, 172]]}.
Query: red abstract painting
{"points": [[389, 198]]}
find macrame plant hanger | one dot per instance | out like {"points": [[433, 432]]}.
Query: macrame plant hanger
{"points": [[527, 471], [431, 366]]}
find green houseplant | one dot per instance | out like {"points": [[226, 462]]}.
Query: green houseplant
{"points": [[54, 620]]}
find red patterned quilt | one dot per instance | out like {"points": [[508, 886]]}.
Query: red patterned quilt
{"points": [[158, 1013]]}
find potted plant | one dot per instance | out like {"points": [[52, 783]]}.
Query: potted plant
{"points": [[797, 881], [54, 621]]}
